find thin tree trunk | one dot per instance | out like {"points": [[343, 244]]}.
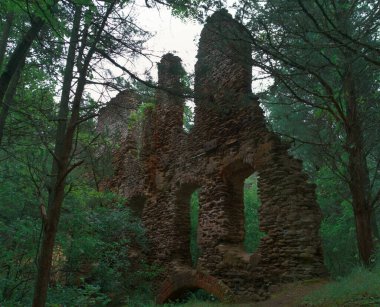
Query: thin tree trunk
{"points": [[5, 36], [8, 99], [359, 182], [63, 168], [59, 169], [359, 187], [19, 55]]}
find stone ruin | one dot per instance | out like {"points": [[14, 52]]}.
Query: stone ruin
{"points": [[159, 166]]}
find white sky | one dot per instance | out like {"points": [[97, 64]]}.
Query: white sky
{"points": [[171, 34]]}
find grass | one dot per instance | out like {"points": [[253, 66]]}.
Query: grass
{"points": [[360, 288]]}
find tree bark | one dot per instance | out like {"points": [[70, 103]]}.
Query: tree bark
{"points": [[19, 55], [8, 99], [59, 170], [359, 181], [5, 36], [364, 235]]}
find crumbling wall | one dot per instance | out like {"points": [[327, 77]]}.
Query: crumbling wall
{"points": [[228, 143], [114, 117], [123, 138]]}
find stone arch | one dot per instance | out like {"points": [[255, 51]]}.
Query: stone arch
{"points": [[237, 170], [179, 282]]}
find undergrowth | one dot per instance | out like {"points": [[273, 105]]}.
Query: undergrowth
{"points": [[194, 298]]}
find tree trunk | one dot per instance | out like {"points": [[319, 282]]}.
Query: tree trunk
{"points": [[4, 37], [359, 181], [62, 159], [19, 55], [47, 247], [8, 99], [59, 172], [359, 187], [364, 235]]}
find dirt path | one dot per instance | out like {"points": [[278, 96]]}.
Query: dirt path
{"points": [[290, 295]]}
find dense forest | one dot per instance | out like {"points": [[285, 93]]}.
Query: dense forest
{"points": [[66, 240]]}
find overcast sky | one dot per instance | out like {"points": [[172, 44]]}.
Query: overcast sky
{"points": [[170, 34], [179, 37]]}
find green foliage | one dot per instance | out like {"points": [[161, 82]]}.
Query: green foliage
{"points": [[198, 297], [194, 213], [96, 235], [20, 224], [87, 295], [138, 116], [103, 246], [197, 9], [92, 256], [340, 255], [188, 118], [251, 206], [18, 240]]}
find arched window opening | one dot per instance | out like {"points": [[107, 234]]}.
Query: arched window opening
{"points": [[252, 203], [194, 214]]}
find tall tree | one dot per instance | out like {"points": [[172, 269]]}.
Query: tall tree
{"points": [[100, 28], [59, 172], [322, 53]]}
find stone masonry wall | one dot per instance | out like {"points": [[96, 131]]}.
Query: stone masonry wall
{"points": [[228, 143]]}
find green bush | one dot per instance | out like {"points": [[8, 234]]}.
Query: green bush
{"points": [[198, 297], [91, 264]]}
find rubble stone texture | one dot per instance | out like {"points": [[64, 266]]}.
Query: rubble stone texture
{"points": [[228, 143]]}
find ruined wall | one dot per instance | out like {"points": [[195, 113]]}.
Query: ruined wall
{"points": [[124, 139], [113, 119], [228, 143]]}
